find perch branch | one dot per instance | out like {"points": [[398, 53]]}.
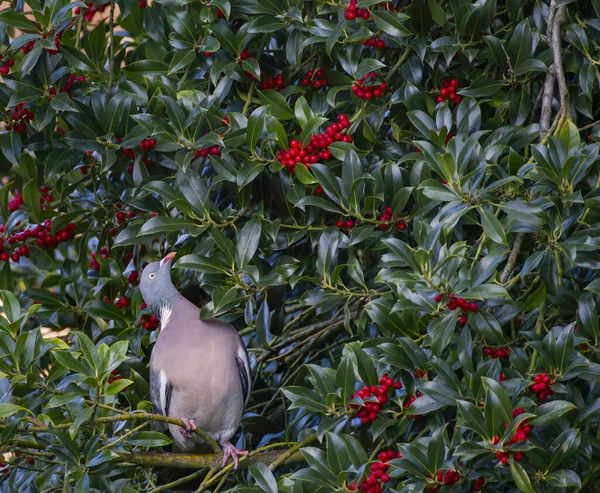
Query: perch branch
{"points": [[205, 461]]}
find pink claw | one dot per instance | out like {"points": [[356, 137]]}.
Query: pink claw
{"points": [[190, 426], [230, 451]]}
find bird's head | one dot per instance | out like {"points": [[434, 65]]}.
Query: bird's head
{"points": [[156, 286]]}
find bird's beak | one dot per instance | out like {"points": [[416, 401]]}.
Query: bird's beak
{"points": [[168, 258]]}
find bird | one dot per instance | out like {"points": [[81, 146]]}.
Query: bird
{"points": [[199, 369]]}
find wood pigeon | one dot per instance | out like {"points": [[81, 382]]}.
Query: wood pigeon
{"points": [[199, 370]]}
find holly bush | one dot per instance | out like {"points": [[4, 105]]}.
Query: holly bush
{"points": [[395, 203]]}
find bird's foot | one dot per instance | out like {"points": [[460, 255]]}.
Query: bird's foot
{"points": [[230, 451], [190, 427]]}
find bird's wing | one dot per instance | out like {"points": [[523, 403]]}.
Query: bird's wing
{"points": [[243, 366], [160, 391]]}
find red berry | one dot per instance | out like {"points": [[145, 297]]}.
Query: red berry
{"points": [[439, 99], [453, 82], [340, 224], [487, 351], [349, 224]]}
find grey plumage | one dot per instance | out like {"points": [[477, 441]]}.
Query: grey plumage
{"points": [[199, 370]]}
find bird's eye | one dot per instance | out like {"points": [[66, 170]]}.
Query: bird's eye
{"points": [[151, 276]]}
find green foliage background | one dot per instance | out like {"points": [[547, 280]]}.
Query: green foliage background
{"points": [[499, 194]]}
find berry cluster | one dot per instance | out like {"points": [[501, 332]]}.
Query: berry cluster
{"points": [[21, 116], [317, 148], [6, 65], [45, 197], [341, 224], [148, 144], [120, 303], [15, 203], [276, 83], [541, 386], [448, 91], [213, 151], [121, 216], [27, 47], [378, 475], [479, 482], [450, 477], [352, 12], [72, 79], [496, 353], [387, 216], [521, 435], [40, 234], [523, 430], [149, 322], [115, 376], [454, 303], [316, 78], [244, 55], [94, 264], [132, 278], [363, 91], [375, 43], [91, 10], [369, 411], [408, 401], [220, 14]]}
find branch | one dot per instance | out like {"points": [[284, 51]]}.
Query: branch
{"points": [[205, 461], [559, 20], [512, 259], [587, 127], [111, 53], [283, 458], [128, 417], [546, 111]]}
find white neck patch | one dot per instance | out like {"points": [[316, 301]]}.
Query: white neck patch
{"points": [[165, 315]]}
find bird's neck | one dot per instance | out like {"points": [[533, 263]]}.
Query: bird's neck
{"points": [[164, 306]]}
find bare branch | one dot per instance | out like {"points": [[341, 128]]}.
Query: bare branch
{"points": [[559, 20], [512, 259]]}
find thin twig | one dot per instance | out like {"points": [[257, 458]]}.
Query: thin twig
{"points": [[311, 336], [111, 53], [587, 127], [512, 259], [286, 455], [178, 482]]}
